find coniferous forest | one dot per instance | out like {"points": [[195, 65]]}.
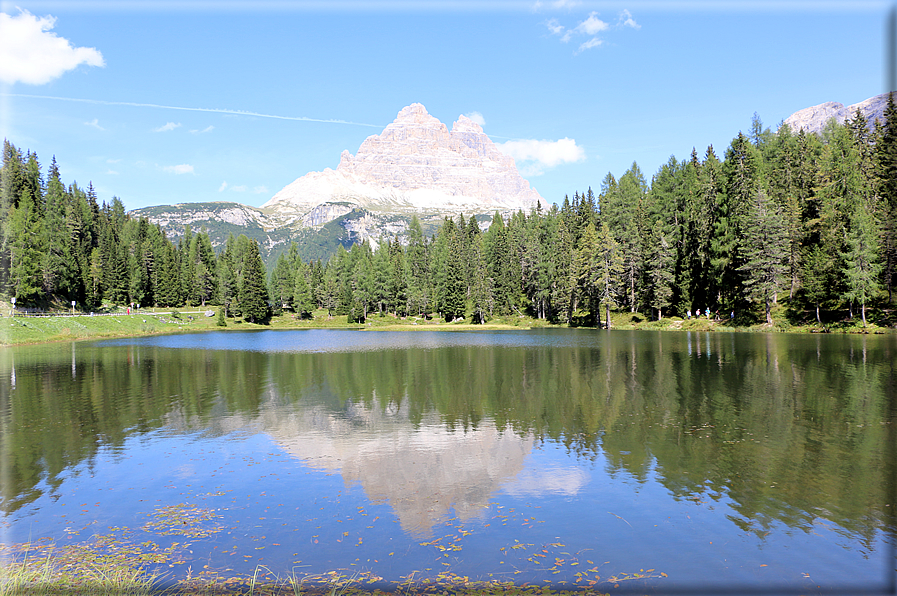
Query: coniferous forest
{"points": [[780, 217]]}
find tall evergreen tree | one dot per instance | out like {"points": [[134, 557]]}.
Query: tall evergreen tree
{"points": [[303, 301], [886, 159], [763, 252], [742, 172], [59, 266], [25, 227], [862, 267], [252, 287]]}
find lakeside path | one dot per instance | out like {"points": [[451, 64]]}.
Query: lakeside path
{"points": [[21, 330]]}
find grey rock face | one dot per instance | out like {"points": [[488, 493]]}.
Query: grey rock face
{"points": [[814, 119]]}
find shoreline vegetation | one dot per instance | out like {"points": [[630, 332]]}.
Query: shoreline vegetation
{"points": [[126, 569], [23, 329], [782, 225]]}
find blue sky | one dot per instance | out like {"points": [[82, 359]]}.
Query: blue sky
{"points": [[167, 102]]}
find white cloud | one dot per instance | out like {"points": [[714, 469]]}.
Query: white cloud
{"points": [[258, 190], [537, 155], [179, 169], [111, 173], [555, 27], [476, 117], [592, 25], [31, 54], [208, 128], [167, 126], [95, 123], [592, 43], [110, 160], [561, 481], [626, 20]]}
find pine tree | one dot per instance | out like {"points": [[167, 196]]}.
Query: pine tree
{"points": [[205, 274], [886, 159], [227, 279], [361, 282], [661, 264], [599, 266], [283, 284], [449, 267], [187, 267], [59, 274], [742, 172], [252, 288], [396, 277], [625, 218], [665, 206], [481, 288], [862, 267], [563, 293], [303, 302], [25, 231], [499, 259], [763, 251], [816, 275], [417, 266], [11, 184]]}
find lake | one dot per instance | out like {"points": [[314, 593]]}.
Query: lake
{"points": [[664, 462]]}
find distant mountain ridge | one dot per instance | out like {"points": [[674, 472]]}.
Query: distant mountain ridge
{"points": [[814, 118], [416, 166]]}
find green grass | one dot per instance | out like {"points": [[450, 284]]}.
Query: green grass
{"points": [[47, 572], [24, 330], [30, 330]]}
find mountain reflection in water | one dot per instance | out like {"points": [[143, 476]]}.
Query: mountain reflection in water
{"points": [[781, 430]]}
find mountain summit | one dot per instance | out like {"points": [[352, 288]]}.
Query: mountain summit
{"points": [[814, 118], [416, 164]]}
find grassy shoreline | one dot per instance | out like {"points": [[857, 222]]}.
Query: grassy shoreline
{"points": [[22, 330]]}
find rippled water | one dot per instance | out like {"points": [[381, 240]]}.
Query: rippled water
{"points": [[716, 461]]}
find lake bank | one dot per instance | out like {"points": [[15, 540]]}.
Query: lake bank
{"points": [[24, 329]]}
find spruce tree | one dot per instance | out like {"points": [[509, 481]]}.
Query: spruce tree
{"points": [[886, 159], [763, 252], [25, 233], [452, 301], [862, 267], [816, 276], [481, 288], [60, 276], [252, 287], [303, 303], [742, 172], [417, 267], [661, 264]]}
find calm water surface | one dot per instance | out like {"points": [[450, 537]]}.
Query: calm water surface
{"points": [[716, 461]]}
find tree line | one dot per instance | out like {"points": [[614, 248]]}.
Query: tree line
{"points": [[782, 214], [58, 244]]}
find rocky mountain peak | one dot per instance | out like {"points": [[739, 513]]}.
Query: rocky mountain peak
{"points": [[465, 124], [417, 164], [814, 118]]}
